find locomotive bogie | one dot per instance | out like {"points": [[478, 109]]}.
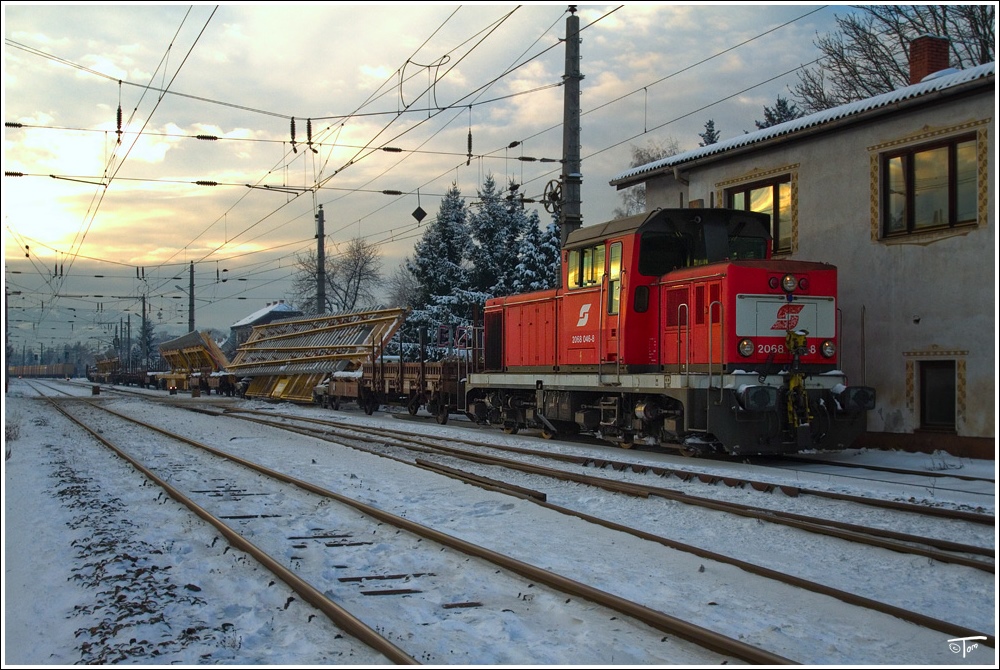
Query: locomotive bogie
{"points": [[747, 415]]}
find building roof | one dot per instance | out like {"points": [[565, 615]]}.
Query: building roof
{"points": [[281, 310], [940, 81]]}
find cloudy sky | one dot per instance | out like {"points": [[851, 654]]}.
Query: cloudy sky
{"points": [[101, 219]]}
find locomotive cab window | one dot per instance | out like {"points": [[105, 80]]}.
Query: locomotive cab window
{"points": [[661, 252], [585, 267], [614, 278]]}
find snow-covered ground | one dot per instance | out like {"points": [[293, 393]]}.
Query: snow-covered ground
{"points": [[52, 549]]}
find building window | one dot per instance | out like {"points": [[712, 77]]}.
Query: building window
{"points": [[772, 197], [930, 187], [937, 395]]}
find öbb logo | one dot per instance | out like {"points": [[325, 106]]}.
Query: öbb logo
{"points": [[788, 317], [584, 315]]}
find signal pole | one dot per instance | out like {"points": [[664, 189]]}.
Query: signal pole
{"points": [[570, 217]]}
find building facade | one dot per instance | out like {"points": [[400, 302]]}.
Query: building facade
{"points": [[899, 192]]}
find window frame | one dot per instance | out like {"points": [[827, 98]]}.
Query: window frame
{"points": [[586, 266], [784, 220], [614, 272], [932, 393], [907, 157]]}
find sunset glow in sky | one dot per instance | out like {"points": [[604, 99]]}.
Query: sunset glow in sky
{"points": [[101, 219]]}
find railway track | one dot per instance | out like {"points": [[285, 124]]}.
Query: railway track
{"points": [[702, 644], [686, 473], [944, 473], [959, 553], [528, 489]]}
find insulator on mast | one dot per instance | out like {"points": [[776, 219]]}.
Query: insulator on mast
{"points": [[309, 135]]}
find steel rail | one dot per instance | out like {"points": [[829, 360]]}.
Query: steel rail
{"points": [[884, 468], [337, 614], [942, 550], [684, 475], [708, 639], [845, 596]]}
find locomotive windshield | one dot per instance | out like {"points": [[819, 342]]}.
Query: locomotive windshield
{"points": [[661, 251]]}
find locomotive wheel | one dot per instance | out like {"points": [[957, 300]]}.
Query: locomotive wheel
{"points": [[413, 405], [628, 441], [547, 433], [510, 428]]}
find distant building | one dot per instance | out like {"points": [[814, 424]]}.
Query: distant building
{"points": [[273, 311], [899, 192]]}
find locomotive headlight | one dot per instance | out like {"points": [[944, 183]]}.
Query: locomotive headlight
{"points": [[746, 347], [828, 349], [789, 282], [804, 284]]}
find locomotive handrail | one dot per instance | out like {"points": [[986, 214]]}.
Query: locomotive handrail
{"points": [[601, 311], [683, 307], [622, 290]]}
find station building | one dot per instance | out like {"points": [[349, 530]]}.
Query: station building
{"points": [[899, 192]]}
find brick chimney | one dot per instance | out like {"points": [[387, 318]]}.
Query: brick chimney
{"points": [[928, 54]]}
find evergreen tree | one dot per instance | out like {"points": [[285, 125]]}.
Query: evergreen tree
{"points": [[495, 227], [439, 268], [710, 136], [781, 112], [147, 339], [539, 266], [439, 259]]}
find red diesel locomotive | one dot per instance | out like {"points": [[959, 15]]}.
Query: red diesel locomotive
{"points": [[674, 328]]}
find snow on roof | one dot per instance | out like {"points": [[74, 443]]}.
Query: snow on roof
{"points": [[280, 306], [936, 82]]}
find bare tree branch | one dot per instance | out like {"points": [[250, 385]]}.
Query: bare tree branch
{"points": [[352, 277], [869, 54]]}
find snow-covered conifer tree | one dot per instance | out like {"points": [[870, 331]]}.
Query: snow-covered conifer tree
{"points": [[439, 266], [495, 227], [539, 266]]}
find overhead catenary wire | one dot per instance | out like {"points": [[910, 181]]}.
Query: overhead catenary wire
{"points": [[378, 234], [95, 205]]}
